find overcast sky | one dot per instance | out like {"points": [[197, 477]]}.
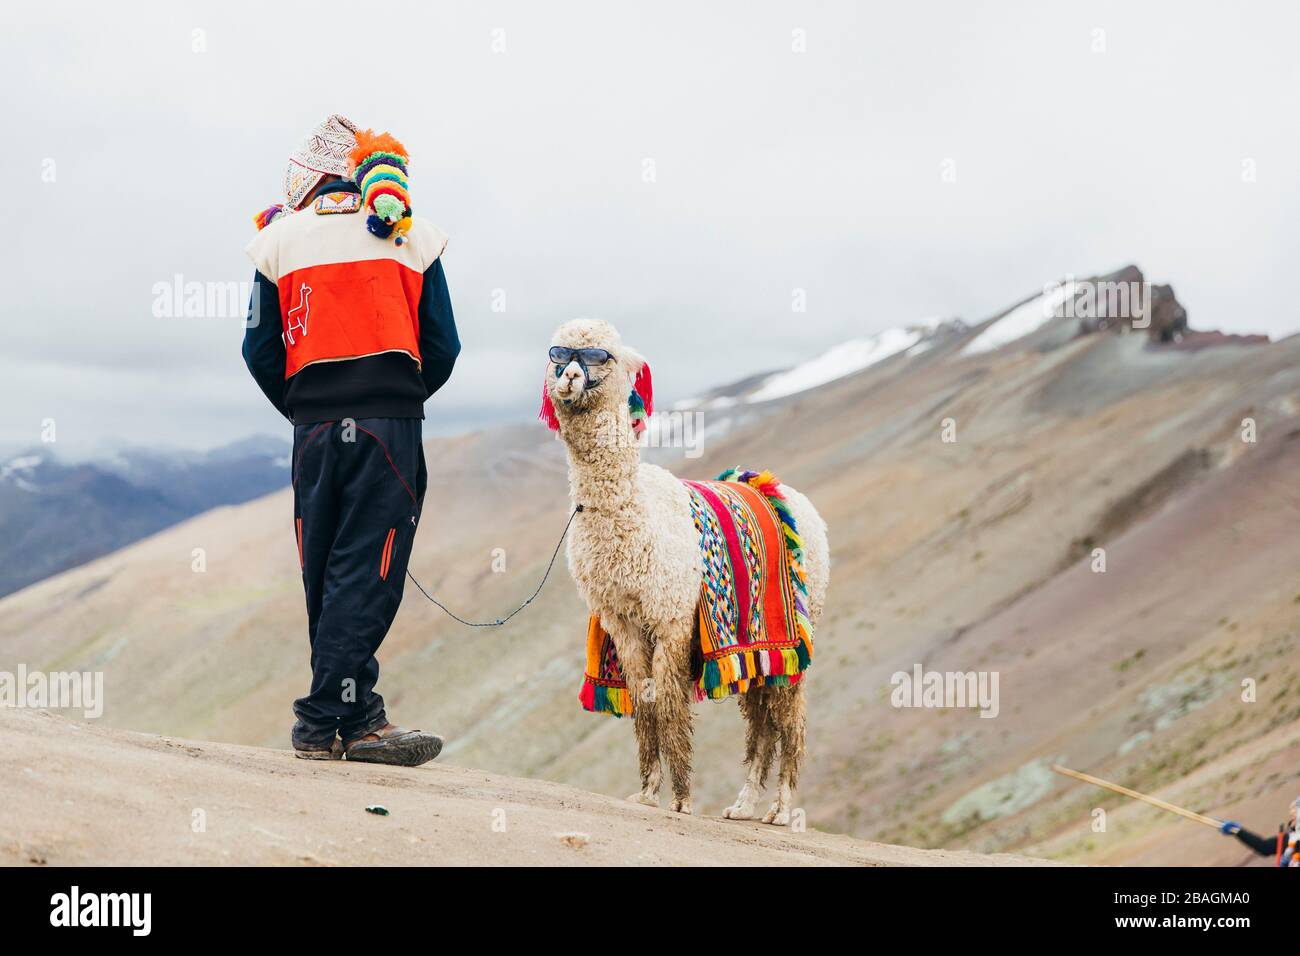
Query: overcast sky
{"points": [[1081, 136]]}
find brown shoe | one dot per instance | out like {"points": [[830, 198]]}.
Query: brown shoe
{"points": [[334, 751], [396, 746]]}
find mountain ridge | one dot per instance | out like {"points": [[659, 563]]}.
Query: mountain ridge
{"points": [[56, 514]]}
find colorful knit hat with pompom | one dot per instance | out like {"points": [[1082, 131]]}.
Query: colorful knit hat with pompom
{"points": [[379, 165]]}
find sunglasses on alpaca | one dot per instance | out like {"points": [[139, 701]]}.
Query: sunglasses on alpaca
{"points": [[563, 356]]}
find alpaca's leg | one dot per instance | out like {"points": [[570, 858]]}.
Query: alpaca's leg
{"points": [[634, 658], [645, 719], [760, 747], [671, 667], [764, 748], [789, 713]]}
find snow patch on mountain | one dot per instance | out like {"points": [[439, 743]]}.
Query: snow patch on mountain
{"points": [[845, 359], [1021, 321], [19, 471]]}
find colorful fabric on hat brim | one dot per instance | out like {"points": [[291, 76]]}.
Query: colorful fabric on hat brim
{"points": [[753, 622], [299, 181]]}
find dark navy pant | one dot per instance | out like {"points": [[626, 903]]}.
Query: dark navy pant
{"points": [[357, 491]]}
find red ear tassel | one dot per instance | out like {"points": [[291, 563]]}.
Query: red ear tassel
{"points": [[645, 388], [547, 414]]}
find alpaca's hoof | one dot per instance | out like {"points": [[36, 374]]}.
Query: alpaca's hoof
{"points": [[643, 798], [777, 817], [739, 811], [682, 806]]}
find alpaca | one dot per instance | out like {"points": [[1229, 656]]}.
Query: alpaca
{"points": [[635, 555]]}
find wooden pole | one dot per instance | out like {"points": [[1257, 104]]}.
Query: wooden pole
{"points": [[1154, 801]]}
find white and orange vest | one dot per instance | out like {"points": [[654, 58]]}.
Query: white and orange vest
{"points": [[344, 293]]}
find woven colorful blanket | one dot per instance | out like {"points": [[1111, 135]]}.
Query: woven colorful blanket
{"points": [[754, 627]]}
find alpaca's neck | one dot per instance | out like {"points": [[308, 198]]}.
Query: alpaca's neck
{"points": [[602, 472]]}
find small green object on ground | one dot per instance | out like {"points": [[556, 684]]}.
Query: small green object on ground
{"points": [[377, 810]]}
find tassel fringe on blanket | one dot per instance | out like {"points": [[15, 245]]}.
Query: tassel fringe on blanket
{"points": [[753, 623]]}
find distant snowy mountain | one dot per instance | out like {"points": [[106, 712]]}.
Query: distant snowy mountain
{"points": [[735, 405], [55, 515], [837, 362], [21, 470], [843, 359], [1023, 320]]}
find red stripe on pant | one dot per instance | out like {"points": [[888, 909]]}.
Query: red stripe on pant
{"points": [[387, 556]]}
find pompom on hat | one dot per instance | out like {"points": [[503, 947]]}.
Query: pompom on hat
{"points": [[269, 215], [379, 168]]}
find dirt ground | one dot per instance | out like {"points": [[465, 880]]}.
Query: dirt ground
{"points": [[82, 794]]}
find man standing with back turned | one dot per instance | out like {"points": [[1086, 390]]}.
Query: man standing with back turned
{"points": [[350, 331]]}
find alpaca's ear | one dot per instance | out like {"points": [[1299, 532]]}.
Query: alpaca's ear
{"points": [[547, 414], [638, 371]]}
